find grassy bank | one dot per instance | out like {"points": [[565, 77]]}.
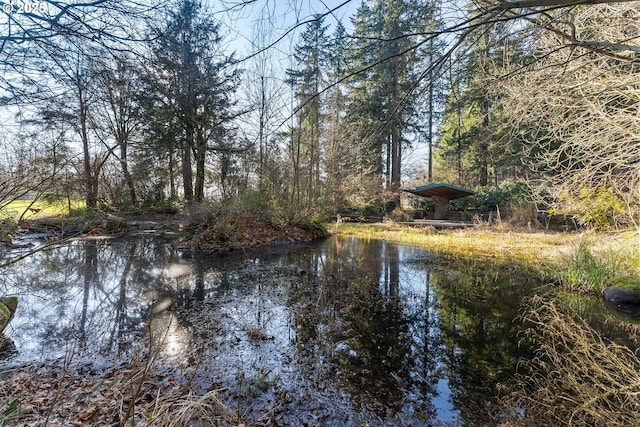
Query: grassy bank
{"points": [[38, 209], [528, 247], [578, 375], [582, 261]]}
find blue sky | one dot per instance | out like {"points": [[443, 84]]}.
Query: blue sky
{"points": [[273, 19]]}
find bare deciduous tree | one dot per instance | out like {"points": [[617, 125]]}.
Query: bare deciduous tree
{"points": [[581, 105]]}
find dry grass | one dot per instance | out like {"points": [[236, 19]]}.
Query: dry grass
{"points": [[577, 378], [127, 396], [192, 409], [483, 241], [551, 253]]}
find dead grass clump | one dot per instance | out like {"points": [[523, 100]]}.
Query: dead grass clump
{"points": [[45, 395], [256, 334], [577, 377], [192, 409]]}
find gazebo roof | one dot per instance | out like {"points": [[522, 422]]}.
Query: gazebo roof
{"points": [[446, 191]]}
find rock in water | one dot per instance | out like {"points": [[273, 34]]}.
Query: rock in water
{"points": [[623, 290], [8, 306]]}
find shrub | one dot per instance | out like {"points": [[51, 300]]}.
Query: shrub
{"points": [[586, 271], [166, 206], [399, 215], [508, 194], [598, 208], [318, 229], [8, 227]]}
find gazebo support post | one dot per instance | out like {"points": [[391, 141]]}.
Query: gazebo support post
{"points": [[442, 205]]}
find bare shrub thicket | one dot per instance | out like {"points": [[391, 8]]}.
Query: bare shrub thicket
{"points": [[576, 107], [577, 377]]}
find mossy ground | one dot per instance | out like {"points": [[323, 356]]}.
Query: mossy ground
{"points": [[628, 282]]}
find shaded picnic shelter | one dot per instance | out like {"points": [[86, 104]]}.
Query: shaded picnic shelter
{"points": [[441, 194]]}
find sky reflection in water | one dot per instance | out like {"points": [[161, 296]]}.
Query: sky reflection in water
{"points": [[368, 334]]}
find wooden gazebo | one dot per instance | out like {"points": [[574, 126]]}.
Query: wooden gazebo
{"points": [[441, 195]]}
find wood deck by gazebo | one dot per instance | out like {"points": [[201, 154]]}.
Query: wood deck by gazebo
{"points": [[438, 223]]}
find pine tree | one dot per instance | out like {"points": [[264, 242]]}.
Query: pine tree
{"points": [[194, 83], [306, 80], [472, 137], [338, 158], [390, 49]]}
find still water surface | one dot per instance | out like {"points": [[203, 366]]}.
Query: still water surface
{"points": [[368, 334]]}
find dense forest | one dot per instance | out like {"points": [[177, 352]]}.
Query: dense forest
{"points": [[120, 103]]}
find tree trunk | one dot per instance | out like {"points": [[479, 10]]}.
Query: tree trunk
{"points": [[172, 178], [90, 188], [201, 156], [261, 138], [430, 129], [125, 171], [187, 173], [484, 146], [396, 134]]}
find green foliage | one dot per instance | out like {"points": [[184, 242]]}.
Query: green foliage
{"points": [[599, 208], [455, 159], [383, 106], [170, 206], [628, 282], [509, 193], [587, 271], [10, 409]]}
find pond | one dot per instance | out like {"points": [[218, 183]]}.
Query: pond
{"points": [[353, 331]]}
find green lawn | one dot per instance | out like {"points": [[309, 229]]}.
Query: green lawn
{"points": [[38, 209]]}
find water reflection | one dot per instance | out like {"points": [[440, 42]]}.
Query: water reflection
{"points": [[477, 315], [373, 319], [368, 335]]}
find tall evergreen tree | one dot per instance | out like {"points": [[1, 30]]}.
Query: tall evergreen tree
{"points": [[471, 141], [389, 49], [194, 84], [364, 112], [306, 80], [338, 148]]}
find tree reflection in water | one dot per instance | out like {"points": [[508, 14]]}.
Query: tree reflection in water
{"points": [[368, 335], [375, 327]]}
